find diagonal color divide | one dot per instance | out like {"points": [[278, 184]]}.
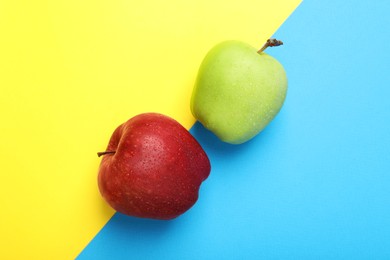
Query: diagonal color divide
{"points": [[315, 184], [70, 72]]}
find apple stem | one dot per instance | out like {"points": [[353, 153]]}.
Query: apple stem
{"points": [[105, 152], [270, 43]]}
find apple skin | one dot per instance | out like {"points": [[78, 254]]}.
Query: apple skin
{"points": [[156, 170], [238, 91]]}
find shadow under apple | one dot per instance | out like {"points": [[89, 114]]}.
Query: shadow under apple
{"points": [[219, 150], [122, 224]]}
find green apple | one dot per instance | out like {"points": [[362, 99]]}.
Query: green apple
{"points": [[238, 90]]}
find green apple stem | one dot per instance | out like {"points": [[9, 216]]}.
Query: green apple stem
{"points": [[105, 152], [270, 43]]}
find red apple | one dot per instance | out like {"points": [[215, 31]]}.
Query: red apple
{"points": [[152, 168]]}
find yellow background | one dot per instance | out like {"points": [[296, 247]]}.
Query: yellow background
{"points": [[70, 72]]}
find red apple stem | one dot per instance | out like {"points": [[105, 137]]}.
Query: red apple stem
{"points": [[105, 152], [270, 43]]}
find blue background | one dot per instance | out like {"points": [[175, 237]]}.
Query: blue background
{"points": [[316, 182]]}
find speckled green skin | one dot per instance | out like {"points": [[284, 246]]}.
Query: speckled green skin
{"points": [[238, 91]]}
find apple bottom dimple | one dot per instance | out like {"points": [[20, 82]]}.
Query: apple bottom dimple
{"points": [[157, 207], [147, 194], [165, 199], [163, 192]]}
